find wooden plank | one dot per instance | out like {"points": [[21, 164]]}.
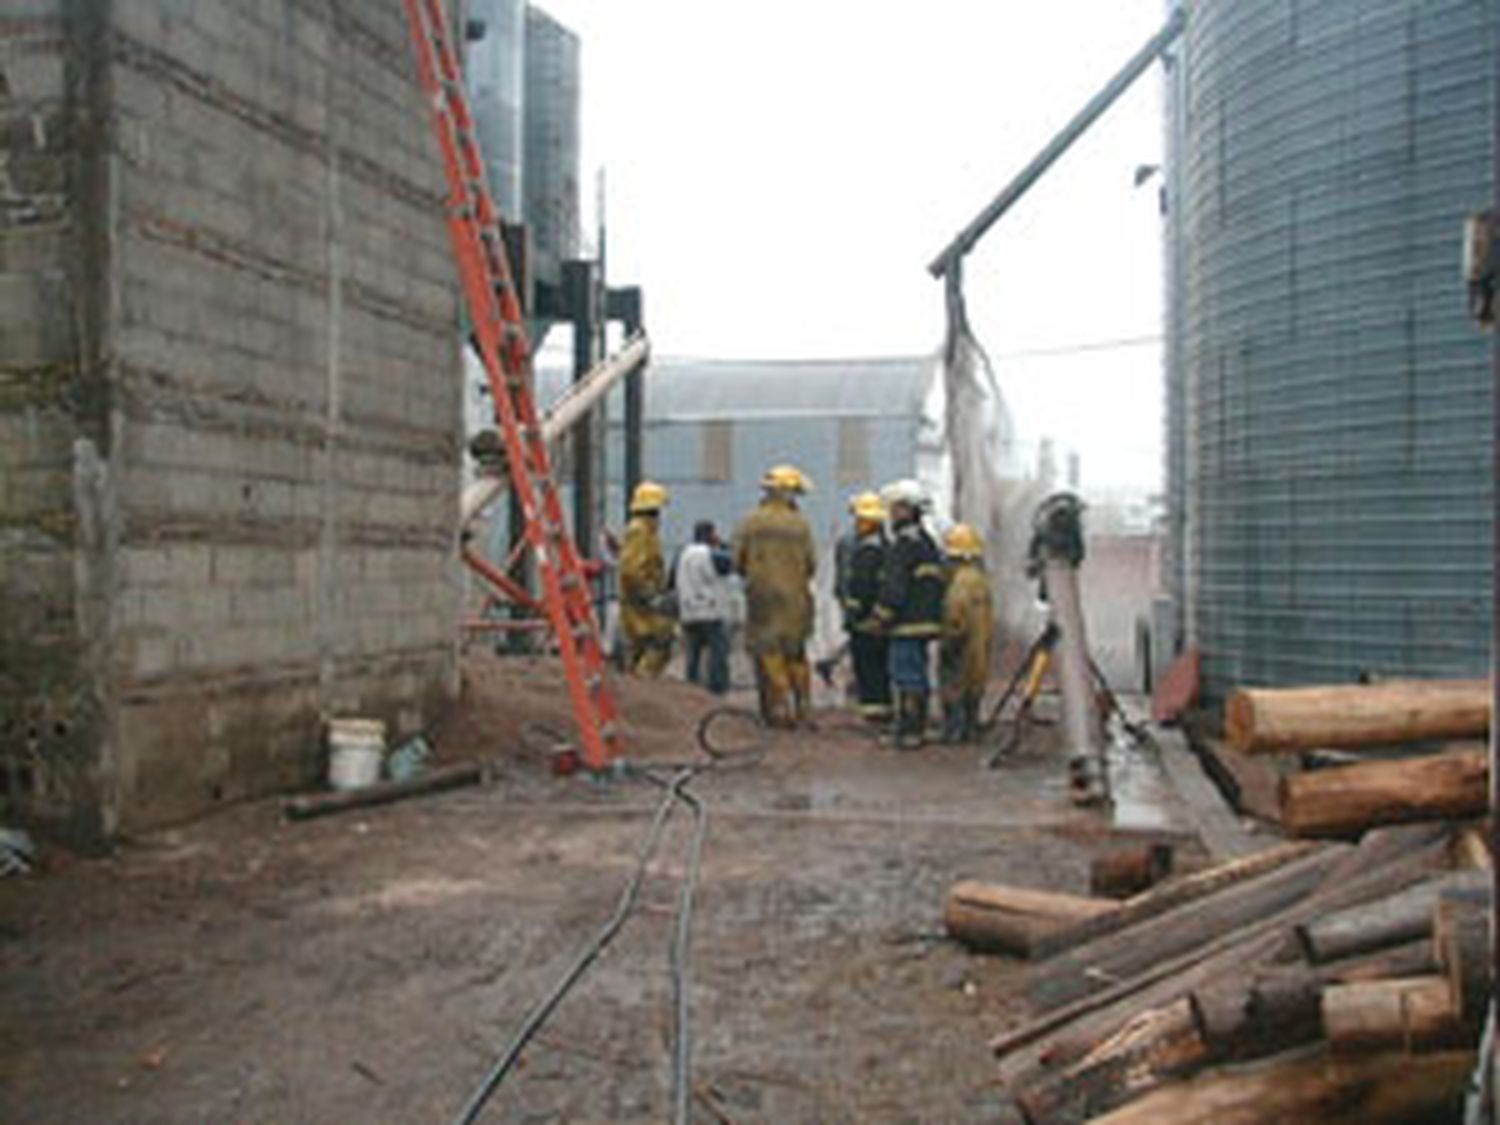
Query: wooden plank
{"points": [[1252, 782], [1210, 814]]}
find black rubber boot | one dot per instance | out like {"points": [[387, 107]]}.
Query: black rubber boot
{"points": [[911, 728], [971, 718], [953, 722]]}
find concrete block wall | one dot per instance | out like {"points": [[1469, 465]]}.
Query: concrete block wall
{"points": [[277, 327]]}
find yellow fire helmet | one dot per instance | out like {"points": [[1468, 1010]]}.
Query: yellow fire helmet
{"points": [[648, 497], [867, 506], [785, 478], [963, 542]]}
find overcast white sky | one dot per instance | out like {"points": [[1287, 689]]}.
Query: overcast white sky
{"points": [[781, 172]]}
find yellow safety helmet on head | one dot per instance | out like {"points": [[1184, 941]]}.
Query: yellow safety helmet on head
{"points": [[963, 542], [867, 506], [785, 478], [648, 497]]}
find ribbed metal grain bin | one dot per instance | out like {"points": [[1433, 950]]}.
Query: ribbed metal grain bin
{"points": [[494, 69], [1329, 401], [551, 148]]}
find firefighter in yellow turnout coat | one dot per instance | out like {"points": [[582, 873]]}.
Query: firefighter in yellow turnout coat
{"points": [[647, 630], [968, 632], [773, 549]]}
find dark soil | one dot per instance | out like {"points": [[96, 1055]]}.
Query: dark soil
{"points": [[369, 966]]}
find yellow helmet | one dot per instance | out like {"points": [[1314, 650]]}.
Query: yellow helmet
{"points": [[867, 506], [785, 478], [963, 542], [648, 497]]}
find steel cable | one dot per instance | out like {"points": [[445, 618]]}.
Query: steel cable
{"points": [[540, 1013], [675, 792]]}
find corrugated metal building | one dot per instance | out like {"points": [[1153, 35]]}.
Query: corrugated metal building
{"points": [[712, 427], [1328, 400]]}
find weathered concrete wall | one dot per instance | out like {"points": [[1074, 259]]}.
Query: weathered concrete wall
{"points": [[279, 335], [53, 416]]}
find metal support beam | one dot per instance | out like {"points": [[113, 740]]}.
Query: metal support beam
{"points": [[1059, 144], [581, 283], [625, 305]]}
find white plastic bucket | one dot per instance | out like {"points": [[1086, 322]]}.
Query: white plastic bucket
{"points": [[356, 749]]}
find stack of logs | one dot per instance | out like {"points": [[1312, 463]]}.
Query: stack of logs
{"points": [[1452, 781], [1331, 980]]}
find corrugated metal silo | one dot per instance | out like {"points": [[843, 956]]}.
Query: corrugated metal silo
{"points": [[494, 69], [552, 144], [1329, 402]]}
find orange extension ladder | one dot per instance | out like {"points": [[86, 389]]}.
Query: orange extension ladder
{"points": [[500, 331]]}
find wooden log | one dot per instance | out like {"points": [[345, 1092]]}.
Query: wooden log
{"points": [[1154, 1047], [998, 918], [1107, 960], [1122, 874], [1461, 945], [1389, 921], [1261, 1010], [1169, 896], [1311, 1085], [1384, 861], [1414, 1014], [443, 777], [1411, 959], [1350, 799], [1472, 849], [1266, 720]]}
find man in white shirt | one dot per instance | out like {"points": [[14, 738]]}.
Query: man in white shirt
{"points": [[702, 577]]}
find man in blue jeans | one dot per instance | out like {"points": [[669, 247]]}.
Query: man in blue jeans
{"points": [[701, 578], [910, 607]]}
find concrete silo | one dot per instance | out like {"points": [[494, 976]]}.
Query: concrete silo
{"points": [[1328, 454]]}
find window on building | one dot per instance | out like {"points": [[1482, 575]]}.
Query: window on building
{"points": [[718, 451], [854, 451]]}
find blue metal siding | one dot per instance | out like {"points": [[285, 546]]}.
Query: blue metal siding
{"points": [[674, 456], [1329, 402]]}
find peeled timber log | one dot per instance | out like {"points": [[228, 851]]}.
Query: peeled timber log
{"points": [[1399, 918], [994, 917], [1311, 1086], [1266, 720], [1415, 1014], [1122, 874], [1349, 799]]}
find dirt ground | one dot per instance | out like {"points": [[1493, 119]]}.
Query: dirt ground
{"points": [[369, 966]]}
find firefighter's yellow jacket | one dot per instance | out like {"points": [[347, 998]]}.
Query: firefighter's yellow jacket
{"points": [[968, 629], [643, 579], [773, 549]]}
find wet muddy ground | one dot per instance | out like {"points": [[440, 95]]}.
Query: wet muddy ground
{"points": [[369, 966]]}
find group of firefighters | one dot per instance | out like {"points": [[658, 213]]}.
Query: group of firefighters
{"points": [[897, 590]]}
